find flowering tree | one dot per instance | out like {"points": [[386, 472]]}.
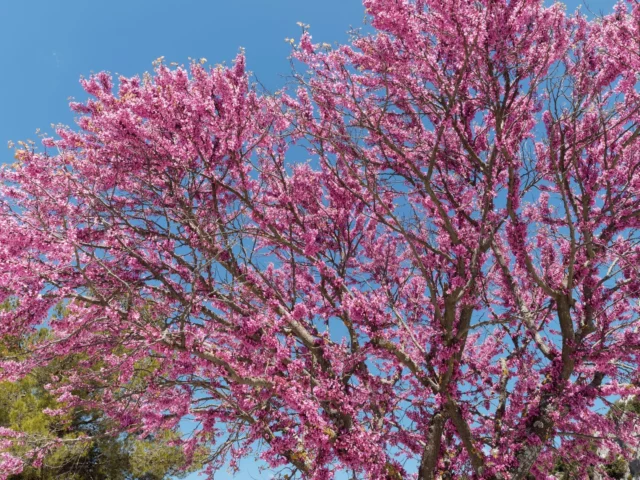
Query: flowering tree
{"points": [[447, 288]]}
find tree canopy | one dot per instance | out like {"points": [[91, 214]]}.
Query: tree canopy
{"points": [[419, 260], [82, 445]]}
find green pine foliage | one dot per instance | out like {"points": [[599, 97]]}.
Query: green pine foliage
{"points": [[86, 452]]}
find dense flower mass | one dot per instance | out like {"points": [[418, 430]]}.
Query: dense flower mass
{"points": [[444, 285]]}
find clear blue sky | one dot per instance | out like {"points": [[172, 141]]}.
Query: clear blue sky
{"points": [[45, 46]]}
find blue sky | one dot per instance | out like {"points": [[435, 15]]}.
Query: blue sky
{"points": [[46, 46]]}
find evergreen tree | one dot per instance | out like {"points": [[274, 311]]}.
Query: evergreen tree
{"points": [[86, 449]]}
